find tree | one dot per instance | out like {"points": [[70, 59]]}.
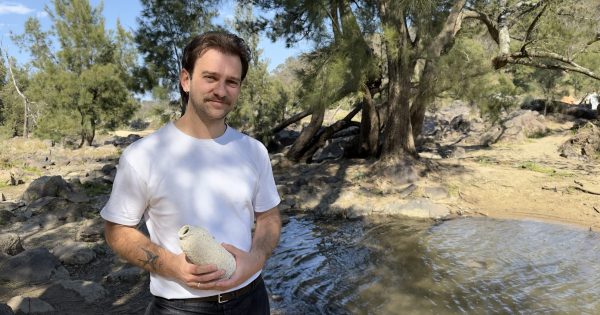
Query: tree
{"points": [[341, 65], [86, 78], [165, 27]]}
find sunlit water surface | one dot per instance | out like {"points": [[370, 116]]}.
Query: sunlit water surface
{"points": [[463, 266]]}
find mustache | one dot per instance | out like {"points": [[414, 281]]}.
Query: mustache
{"points": [[224, 100]]}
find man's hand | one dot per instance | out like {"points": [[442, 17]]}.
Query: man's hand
{"points": [[137, 249], [266, 237], [247, 264], [203, 277]]}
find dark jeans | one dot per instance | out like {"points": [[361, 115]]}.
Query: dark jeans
{"points": [[255, 302]]}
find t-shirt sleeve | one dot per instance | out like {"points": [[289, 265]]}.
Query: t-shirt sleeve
{"points": [[128, 199], [266, 196]]}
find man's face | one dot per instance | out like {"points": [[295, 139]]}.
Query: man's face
{"points": [[214, 86]]}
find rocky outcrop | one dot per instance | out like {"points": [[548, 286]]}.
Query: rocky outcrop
{"points": [[47, 186], [585, 145], [517, 126]]}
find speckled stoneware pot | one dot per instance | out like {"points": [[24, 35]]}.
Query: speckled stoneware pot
{"points": [[201, 248]]}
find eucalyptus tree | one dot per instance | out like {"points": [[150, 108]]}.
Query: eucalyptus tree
{"points": [[417, 34], [342, 63]]}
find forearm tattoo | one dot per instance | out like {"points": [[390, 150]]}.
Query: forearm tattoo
{"points": [[151, 260]]}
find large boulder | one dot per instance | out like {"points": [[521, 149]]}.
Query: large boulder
{"points": [[47, 186], [31, 267], [517, 126], [57, 209], [74, 253], [63, 291]]}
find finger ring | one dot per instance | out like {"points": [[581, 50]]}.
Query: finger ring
{"points": [[198, 285]]}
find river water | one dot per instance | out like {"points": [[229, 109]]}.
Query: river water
{"points": [[462, 266]]}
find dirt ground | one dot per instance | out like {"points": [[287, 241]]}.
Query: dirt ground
{"points": [[527, 180]]}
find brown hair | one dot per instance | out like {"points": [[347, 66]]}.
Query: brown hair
{"points": [[222, 41]]}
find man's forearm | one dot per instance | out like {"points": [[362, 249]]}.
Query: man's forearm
{"points": [[266, 234], [137, 248]]}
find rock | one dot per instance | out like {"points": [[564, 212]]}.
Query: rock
{"points": [[460, 123], [128, 275], [32, 266], [74, 253], [6, 217], [123, 141], [109, 169], [59, 208], [201, 248], [78, 197], [29, 305], [585, 145], [45, 186], [417, 208], [91, 230], [10, 206], [519, 125], [89, 291], [436, 192], [5, 309], [333, 149], [10, 244], [458, 153]]}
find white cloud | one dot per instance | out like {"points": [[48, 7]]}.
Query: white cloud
{"points": [[42, 14], [14, 8]]}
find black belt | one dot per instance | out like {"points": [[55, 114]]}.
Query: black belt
{"points": [[227, 296]]}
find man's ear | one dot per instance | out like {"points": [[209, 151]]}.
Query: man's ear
{"points": [[184, 79]]}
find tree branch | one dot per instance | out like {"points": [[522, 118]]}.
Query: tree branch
{"points": [[564, 63], [531, 27], [485, 19]]}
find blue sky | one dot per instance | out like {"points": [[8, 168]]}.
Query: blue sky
{"points": [[13, 15]]}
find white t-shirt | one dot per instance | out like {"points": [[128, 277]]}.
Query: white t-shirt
{"points": [[173, 179]]}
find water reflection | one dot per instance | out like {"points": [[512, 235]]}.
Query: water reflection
{"points": [[467, 266]]}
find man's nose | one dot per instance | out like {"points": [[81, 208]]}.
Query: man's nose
{"points": [[220, 89]]}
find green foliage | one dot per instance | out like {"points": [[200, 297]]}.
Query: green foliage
{"points": [[85, 84], [165, 27], [263, 100], [535, 167], [464, 73]]}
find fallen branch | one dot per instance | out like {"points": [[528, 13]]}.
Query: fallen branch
{"points": [[550, 188], [583, 189]]}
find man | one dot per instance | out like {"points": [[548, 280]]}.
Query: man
{"points": [[201, 172]]}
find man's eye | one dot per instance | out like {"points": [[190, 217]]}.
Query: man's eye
{"points": [[233, 83]]}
